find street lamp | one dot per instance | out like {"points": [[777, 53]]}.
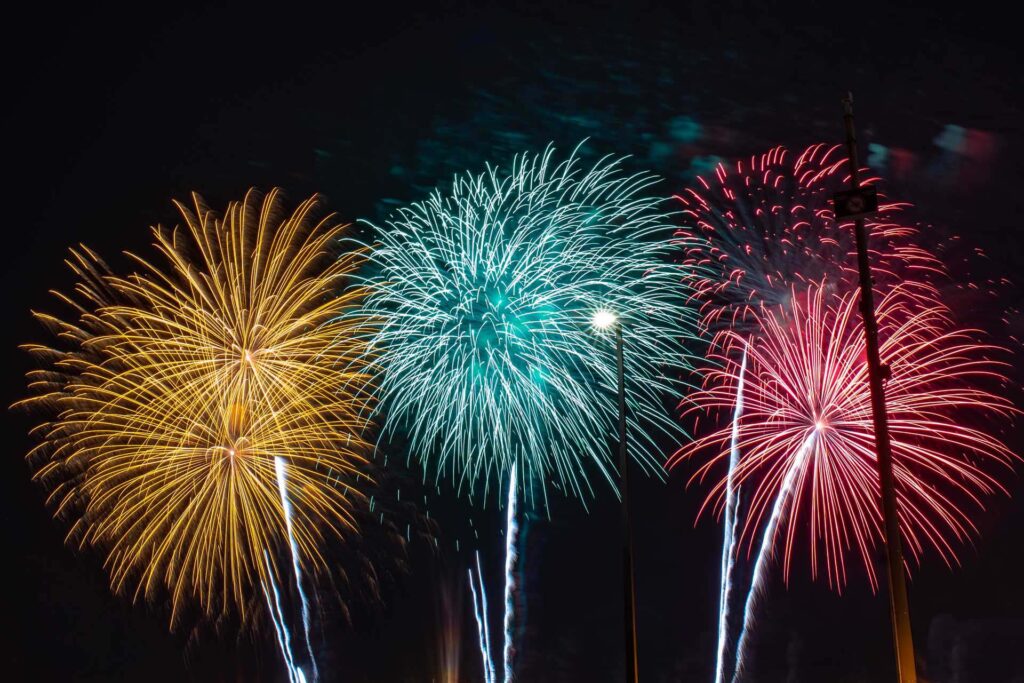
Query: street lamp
{"points": [[604, 320]]}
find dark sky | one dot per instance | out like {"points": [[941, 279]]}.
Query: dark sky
{"points": [[109, 115]]}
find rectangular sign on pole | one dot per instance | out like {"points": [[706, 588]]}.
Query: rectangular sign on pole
{"points": [[856, 203]]}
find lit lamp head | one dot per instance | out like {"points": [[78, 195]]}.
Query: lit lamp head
{"points": [[604, 319]]}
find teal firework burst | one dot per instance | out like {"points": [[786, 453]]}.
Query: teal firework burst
{"points": [[486, 293]]}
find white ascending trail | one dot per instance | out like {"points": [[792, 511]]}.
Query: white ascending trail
{"points": [[729, 532], [480, 610], [767, 542], [484, 611], [511, 533], [283, 635], [479, 625], [282, 487], [480, 605]]}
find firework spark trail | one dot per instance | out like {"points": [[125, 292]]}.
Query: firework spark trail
{"points": [[767, 546], [480, 611], [277, 618], [282, 486], [729, 532], [479, 625], [511, 534], [492, 672]]}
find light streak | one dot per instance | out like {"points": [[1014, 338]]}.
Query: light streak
{"points": [[282, 486], [280, 628], [767, 548], [511, 535], [729, 529], [491, 671], [480, 612]]}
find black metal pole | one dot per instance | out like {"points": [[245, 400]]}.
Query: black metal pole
{"points": [[902, 637], [632, 670]]}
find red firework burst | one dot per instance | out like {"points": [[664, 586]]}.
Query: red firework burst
{"points": [[807, 414], [769, 224]]}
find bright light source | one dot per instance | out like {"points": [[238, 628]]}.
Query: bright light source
{"points": [[604, 319]]}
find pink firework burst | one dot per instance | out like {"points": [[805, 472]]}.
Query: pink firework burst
{"points": [[806, 437], [769, 225]]}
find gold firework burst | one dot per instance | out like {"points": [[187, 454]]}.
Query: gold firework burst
{"points": [[178, 391]]}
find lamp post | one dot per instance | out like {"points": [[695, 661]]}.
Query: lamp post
{"points": [[604, 320], [856, 203]]}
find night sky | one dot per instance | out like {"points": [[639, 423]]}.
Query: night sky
{"points": [[109, 115]]}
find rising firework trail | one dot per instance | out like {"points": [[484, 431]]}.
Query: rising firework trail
{"points": [[284, 636], [480, 605], [484, 612], [479, 625], [282, 487], [511, 535], [729, 528], [767, 548], [480, 610]]}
